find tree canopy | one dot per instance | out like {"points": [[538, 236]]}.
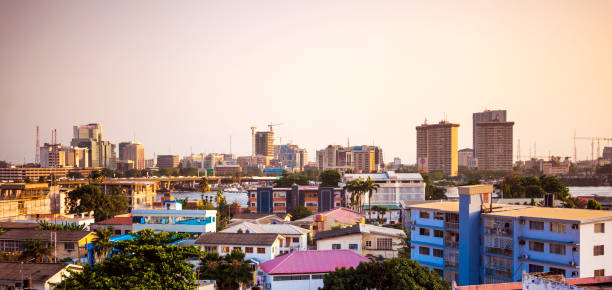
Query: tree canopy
{"points": [[91, 198], [146, 262], [288, 179], [330, 178], [397, 273], [229, 272], [516, 186], [593, 204], [300, 212]]}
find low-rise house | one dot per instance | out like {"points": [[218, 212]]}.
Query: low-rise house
{"points": [[121, 224], [15, 275], [365, 239], [70, 244], [172, 218], [258, 247], [84, 219], [305, 269], [260, 218], [295, 238], [325, 221]]}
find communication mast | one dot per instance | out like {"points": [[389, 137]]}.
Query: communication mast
{"points": [[37, 154]]}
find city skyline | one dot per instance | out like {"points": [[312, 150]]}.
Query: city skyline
{"points": [[184, 78]]}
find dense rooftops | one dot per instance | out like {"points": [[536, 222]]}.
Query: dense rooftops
{"points": [[283, 229], [313, 262], [258, 239], [341, 214]]}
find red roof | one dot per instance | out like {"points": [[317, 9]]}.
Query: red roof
{"points": [[116, 221], [313, 262], [343, 215]]}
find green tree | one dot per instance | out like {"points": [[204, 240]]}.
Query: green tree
{"points": [[95, 176], [330, 178], [90, 198], [593, 204], [44, 225], [370, 186], [74, 175], [101, 242], [230, 272], [37, 249], [289, 179], [552, 184], [397, 273], [300, 212], [380, 211], [433, 192], [149, 261]]}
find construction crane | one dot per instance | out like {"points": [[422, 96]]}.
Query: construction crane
{"points": [[599, 140], [253, 140], [272, 125]]}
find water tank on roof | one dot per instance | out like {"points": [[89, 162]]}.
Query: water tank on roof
{"points": [[319, 218]]}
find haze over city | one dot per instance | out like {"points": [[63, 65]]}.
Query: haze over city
{"points": [[182, 77]]}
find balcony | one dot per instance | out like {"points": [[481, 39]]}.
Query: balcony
{"points": [[499, 251], [451, 244], [451, 226], [499, 272], [499, 231], [451, 263]]}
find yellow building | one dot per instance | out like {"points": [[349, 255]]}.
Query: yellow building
{"points": [[437, 148]]}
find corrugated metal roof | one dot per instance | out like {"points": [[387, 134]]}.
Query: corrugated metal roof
{"points": [[302, 262]]}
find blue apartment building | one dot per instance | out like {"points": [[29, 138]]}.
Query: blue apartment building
{"points": [[473, 241]]}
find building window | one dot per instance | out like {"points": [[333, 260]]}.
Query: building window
{"points": [[69, 246], [424, 251], [369, 244], [598, 250], [336, 247], [535, 268], [600, 228], [599, 273], [248, 250], [261, 250], [438, 253], [117, 232], [384, 244], [225, 249], [353, 247], [557, 227], [317, 277], [424, 214], [296, 240], [438, 234], [438, 216], [210, 249], [538, 226], [558, 249], [536, 246], [424, 232], [556, 271]]}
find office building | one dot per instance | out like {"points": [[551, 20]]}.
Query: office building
{"points": [[483, 117], [607, 153], [52, 155], [193, 161], [151, 163], [264, 143], [76, 157], [359, 159], [494, 141], [467, 159], [437, 147], [474, 241], [284, 200], [291, 156], [167, 161], [132, 151], [394, 188], [101, 153]]}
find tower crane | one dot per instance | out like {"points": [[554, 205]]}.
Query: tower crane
{"points": [[599, 140], [272, 125]]}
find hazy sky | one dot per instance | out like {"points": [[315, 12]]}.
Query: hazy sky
{"points": [[185, 75]]}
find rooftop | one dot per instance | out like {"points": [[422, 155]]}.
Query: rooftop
{"points": [[568, 214], [13, 271], [313, 262], [254, 239], [116, 221], [283, 229], [340, 214], [62, 236], [359, 229]]}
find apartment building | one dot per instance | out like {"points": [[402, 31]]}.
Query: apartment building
{"points": [[467, 158], [494, 140], [260, 247], [473, 241], [264, 143], [132, 151], [483, 117], [284, 200], [437, 147], [394, 187], [167, 161]]}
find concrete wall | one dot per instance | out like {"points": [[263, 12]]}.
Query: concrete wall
{"points": [[589, 239], [344, 241]]}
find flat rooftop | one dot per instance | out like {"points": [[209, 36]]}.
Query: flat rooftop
{"points": [[567, 214]]}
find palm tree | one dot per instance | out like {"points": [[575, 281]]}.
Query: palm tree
{"points": [[370, 186], [101, 242], [230, 272], [36, 249], [355, 187], [204, 187]]}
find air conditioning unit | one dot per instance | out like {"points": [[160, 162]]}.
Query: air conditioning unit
{"points": [[522, 242], [574, 249], [574, 226], [575, 274], [524, 256], [522, 221], [412, 228], [572, 263]]}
